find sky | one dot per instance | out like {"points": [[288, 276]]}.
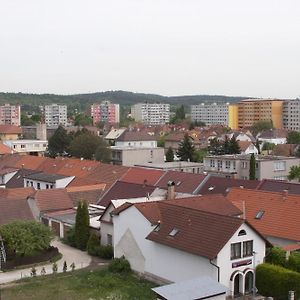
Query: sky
{"points": [[167, 47]]}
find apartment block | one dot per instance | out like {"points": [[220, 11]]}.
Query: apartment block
{"points": [[210, 114], [251, 111], [151, 113], [10, 114], [55, 115], [291, 114], [237, 166], [106, 112]]}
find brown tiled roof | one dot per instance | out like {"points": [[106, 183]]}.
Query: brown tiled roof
{"points": [[10, 129], [52, 199], [200, 233], [142, 175], [184, 182], [18, 193], [125, 190], [273, 133], [175, 137], [30, 162], [284, 149], [5, 149], [216, 203], [91, 194], [8, 170], [279, 186], [128, 136], [221, 185], [281, 211], [244, 145]]}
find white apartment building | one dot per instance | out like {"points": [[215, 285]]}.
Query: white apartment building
{"points": [[291, 114], [55, 115], [210, 114], [151, 113], [10, 114]]}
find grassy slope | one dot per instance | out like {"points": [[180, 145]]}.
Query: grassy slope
{"points": [[81, 285]]}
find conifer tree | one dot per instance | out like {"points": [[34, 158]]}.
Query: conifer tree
{"points": [[186, 149], [252, 167], [234, 147], [82, 224], [170, 155]]}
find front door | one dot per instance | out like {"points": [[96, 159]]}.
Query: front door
{"points": [[236, 289], [248, 282]]}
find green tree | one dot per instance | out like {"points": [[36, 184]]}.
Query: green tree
{"points": [[226, 145], [199, 155], [26, 121], [186, 149], [252, 167], [215, 147], [294, 173], [268, 146], [59, 142], [83, 120], [36, 118], [26, 237], [170, 155], [257, 145], [276, 256], [293, 137], [85, 145], [260, 126], [234, 147], [82, 226], [103, 152], [179, 114]]}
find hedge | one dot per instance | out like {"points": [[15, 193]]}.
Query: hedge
{"points": [[276, 281]]}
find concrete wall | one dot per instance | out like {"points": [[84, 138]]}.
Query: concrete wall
{"points": [[137, 144]]}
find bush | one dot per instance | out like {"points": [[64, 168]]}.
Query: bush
{"points": [[293, 262], [106, 251], [119, 265], [276, 256], [276, 281], [93, 245], [70, 237]]}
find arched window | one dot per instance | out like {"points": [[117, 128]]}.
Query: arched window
{"points": [[242, 232]]}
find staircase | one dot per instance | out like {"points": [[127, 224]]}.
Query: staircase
{"points": [[2, 253]]}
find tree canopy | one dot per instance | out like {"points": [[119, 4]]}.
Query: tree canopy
{"points": [[82, 226], [294, 173], [293, 137], [260, 126], [170, 155], [103, 152], [83, 120], [26, 237], [252, 167], [186, 149], [179, 114], [59, 142]]}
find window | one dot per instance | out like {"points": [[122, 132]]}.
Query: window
{"points": [[109, 239], [242, 232], [227, 164], [235, 250], [31, 183], [38, 186], [27, 183], [247, 248], [259, 214], [279, 166], [47, 186], [212, 163]]}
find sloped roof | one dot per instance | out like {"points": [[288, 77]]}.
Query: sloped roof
{"points": [[8, 170], [142, 175], [128, 136], [244, 145], [222, 185], [17, 181], [273, 134], [123, 190], [17, 193], [10, 129], [45, 177], [279, 186], [90, 194], [200, 233], [280, 211], [52, 199], [5, 149], [184, 182]]}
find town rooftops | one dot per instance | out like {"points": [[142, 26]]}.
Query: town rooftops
{"points": [[274, 214], [10, 129], [171, 165], [114, 133], [142, 176], [17, 181], [279, 186], [5, 149], [273, 134], [45, 177], [128, 136]]}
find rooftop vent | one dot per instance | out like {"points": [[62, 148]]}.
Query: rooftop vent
{"points": [[174, 232]]}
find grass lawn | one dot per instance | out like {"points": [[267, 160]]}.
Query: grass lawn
{"points": [[81, 285]]}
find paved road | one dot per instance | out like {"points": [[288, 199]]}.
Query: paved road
{"points": [[69, 254]]}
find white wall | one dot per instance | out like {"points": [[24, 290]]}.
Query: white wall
{"points": [[275, 141], [6, 177], [137, 144], [251, 149], [61, 183]]}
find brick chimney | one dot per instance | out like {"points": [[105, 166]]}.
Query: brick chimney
{"points": [[171, 190]]}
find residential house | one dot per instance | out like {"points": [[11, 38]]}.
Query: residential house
{"points": [[154, 235], [247, 147], [31, 147], [274, 136], [10, 132]]}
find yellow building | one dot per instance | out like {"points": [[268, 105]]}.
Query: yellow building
{"points": [[233, 117], [254, 110]]}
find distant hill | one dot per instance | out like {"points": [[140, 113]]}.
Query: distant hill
{"points": [[30, 102]]}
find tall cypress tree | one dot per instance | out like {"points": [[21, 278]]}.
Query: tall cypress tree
{"points": [[170, 155], [186, 149], [82, 224], [252, 167]]}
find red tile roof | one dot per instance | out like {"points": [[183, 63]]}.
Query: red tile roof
{"points": [[279, 186], [17, 193], [244, 145], [10, 129], [52, 199], [184, 182], [281, 211], [142, 175], [200, 233], [135, 136], [5, 149]]}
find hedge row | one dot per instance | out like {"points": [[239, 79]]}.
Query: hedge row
{"points": [[276, 281]]}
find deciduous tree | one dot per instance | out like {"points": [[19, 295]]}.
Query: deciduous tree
{"points": [[294, 173]]}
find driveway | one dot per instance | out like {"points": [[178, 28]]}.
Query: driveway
{"points": [[70, 255]]}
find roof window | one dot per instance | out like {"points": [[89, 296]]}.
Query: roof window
{"points": [[211, 188], [178, 183], [157, 228], [259, 214], [174, 232]]}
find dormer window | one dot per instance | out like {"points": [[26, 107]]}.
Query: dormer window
{"points": [[174, 232]]}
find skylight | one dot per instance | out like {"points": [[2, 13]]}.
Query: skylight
{"points": [[178, 183], [211, 188], [174, 232], [157, 228], [259, 214]]}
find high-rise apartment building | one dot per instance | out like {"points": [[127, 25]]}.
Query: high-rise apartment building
{"points": [[10, 114], [210, 114], [291, 114], [251, 111], [106, 112], [55, 115], [151, 113]]}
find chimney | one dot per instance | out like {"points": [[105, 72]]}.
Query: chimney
{"points": [[171, 190], [145, 183], [285, 193]]}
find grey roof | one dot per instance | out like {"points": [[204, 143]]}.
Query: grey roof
{"points": [[45, 177], [196, 288], [18, 179]]}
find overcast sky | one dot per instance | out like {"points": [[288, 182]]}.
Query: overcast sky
{"points": [[169, 47]]}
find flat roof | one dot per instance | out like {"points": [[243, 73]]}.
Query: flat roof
{"points": [[25, 141], [134, 148], [173, 164], [247, 156], [196, 288], [45, 177]]}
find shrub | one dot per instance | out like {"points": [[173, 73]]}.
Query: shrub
{"points": [[119, 265], [70, 237], [93, 245], [106, 251], [276, 281], [293, 262], [276, 256]]}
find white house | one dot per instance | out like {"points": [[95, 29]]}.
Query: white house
{"points": [[33, 147], [274, 136], [247, 147], [170, 243]]}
